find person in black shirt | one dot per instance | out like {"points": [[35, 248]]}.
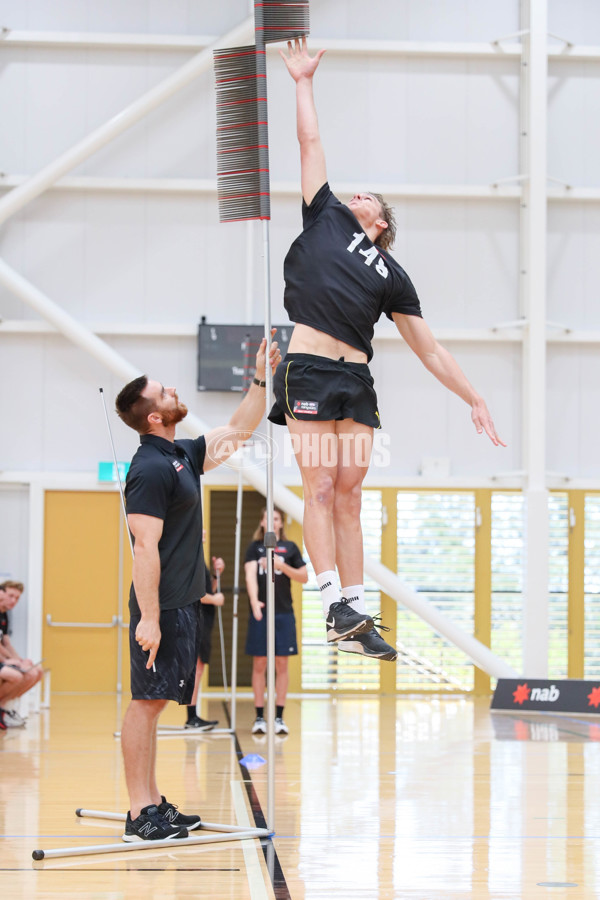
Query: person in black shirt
{"points": [[288, 566], [164, 514], [339, 279], [206, 620]]}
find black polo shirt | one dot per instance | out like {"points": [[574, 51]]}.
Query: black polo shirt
{"points": [[338, 281], [164, 481]]}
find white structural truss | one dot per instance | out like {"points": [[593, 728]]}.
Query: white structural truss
{"points": [[530, 187]]}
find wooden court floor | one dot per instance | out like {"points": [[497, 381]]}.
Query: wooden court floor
{"points": [[428, 798]]}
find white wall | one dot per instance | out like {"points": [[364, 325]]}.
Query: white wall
{"points": [[125, 259]]}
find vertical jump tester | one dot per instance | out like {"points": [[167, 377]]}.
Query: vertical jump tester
{"points": [[243, 188]]}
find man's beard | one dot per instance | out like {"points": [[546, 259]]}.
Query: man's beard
{"points": [[173, 416]]}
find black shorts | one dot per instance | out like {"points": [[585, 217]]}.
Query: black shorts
{"points": [[175, 662], [206, 620], [318, 389], [285, 635]]}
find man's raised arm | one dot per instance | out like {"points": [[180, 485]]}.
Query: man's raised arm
{"points": [[302, 67]]}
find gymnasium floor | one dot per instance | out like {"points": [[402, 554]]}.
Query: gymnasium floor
{"points": [[428, 798]]}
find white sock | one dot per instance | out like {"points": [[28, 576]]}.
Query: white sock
{"points": [[330, 593], [355, 594]]}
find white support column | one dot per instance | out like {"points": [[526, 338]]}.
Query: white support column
{"points": [[533, 280]]}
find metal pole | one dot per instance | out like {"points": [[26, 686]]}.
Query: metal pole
{"points": [[236, 596], [221, 637], [270, 542]]}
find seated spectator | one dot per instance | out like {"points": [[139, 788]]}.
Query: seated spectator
{"points": [[17, 674]]}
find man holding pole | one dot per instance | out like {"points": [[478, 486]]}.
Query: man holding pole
{"points": [[164, 514]]}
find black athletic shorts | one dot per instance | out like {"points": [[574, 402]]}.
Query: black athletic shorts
{"points": [[175, 662], [285, 635], [318, 389]]}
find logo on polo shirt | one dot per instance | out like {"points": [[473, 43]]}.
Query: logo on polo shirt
{"points": [[178, 466], [308, 407]]}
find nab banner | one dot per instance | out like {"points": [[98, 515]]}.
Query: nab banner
{"points": [[537, 695]]}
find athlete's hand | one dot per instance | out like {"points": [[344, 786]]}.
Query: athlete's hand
{"points": [[299, 63], [147, 634], [218, 599], [278, 562], [483, 421], [257, 610], [274, 356]]}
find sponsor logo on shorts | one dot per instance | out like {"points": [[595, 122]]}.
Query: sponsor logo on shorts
{"points": [[181, 683], [307, 407]]}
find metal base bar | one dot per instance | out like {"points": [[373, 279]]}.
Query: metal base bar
{"points": [[179, 730], [221, 833]]}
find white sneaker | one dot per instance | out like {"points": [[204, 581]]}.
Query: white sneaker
{"points": [[281, 727], [12, 719], [260, 726]]}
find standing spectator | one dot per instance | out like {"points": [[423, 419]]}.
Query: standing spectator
{"points": [[288, 566], [17, 674]]}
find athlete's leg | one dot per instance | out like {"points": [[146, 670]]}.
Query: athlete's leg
{"points": [[138, 742], [314, 445], [282, 678], [355, 442], [259, 668]]}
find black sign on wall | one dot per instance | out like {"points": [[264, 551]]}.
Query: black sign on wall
{"points": [[540, 695]]}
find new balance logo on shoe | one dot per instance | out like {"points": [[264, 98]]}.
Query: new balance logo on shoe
{"points": [[147, 829], [326, 585], [170, 815], [332, 623]]}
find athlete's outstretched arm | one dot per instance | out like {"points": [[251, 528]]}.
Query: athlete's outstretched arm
{"points": [[302, 67], [442, 364]]}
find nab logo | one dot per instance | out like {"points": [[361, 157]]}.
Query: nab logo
{"points": [[545, 695], [541, 695], [177, 465]]}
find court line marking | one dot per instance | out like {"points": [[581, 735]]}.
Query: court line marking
{"points": [[256, 881]]}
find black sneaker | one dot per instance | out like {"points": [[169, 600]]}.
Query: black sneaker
{"points": [[171, 813], [370, 644], [344, 622], [199, 724], [151, 826]]}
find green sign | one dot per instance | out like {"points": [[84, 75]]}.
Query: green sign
{"points": [[108, 472]]}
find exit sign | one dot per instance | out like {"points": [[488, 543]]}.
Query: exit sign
{"points": [[107, 471]]}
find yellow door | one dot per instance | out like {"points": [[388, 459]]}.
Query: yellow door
{"points": [[85, 563]]}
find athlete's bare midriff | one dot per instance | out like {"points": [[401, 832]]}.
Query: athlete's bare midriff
{"points": [[309, 340]]}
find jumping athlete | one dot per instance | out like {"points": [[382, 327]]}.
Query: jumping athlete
{"points": [[339, 279], [164, 514]]}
